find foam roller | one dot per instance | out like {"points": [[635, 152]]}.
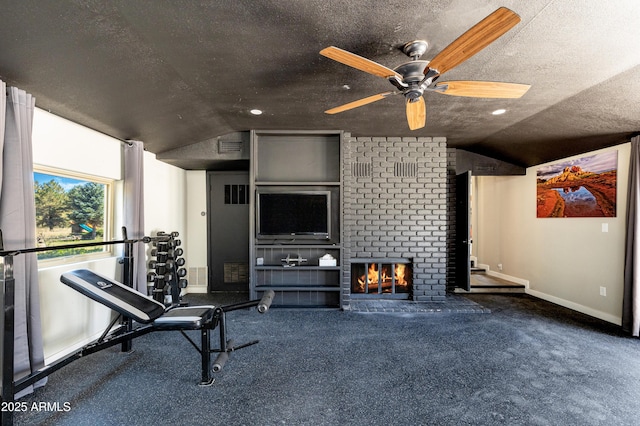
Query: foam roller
{"points": [[265, 302]]}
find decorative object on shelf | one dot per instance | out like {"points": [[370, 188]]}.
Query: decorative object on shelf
{"points": [[327, 260], [290, 261]]}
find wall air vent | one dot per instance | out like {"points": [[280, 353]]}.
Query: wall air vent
{"points": [[361, 170], [405, 170]]}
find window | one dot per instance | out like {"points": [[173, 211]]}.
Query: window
{"points": [[71, 209]]}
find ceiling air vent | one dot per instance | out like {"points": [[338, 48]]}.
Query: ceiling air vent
{"points": [[485, 168], [227, 147]]}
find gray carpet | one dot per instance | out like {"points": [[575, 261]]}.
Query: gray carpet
{"points": [[527, 362]]}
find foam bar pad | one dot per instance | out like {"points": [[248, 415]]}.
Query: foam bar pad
{"points": [[114, 295], [265, 302]]}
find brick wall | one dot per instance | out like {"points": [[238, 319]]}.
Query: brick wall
{"points": [[395, 205]]}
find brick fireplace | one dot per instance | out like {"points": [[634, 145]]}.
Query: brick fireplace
{"points": [[395, 207]]}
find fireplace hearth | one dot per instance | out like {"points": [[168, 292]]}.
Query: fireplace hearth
{"points": [[382, 278]]}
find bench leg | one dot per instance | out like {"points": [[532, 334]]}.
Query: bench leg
{"points": [[205, 353]]}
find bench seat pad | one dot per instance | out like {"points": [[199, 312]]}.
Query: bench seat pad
{"points": [[186, 318], [117, 296]]}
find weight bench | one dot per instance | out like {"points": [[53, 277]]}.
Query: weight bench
{"points": [[133, 306]]}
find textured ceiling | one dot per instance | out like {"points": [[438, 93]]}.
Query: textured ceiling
{"points": [[173, 73]]}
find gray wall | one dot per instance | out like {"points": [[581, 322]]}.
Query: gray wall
{"points": [[395, 205]]}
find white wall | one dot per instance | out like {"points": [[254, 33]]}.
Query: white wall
{"points": [[196, 247], [66, 145], [565, 260], [69, 319], [164, 197]]}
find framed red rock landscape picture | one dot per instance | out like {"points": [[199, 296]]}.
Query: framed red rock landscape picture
{"points": [[581, 187]]}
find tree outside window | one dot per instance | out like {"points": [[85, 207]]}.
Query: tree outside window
{"points": [[68, 210]]}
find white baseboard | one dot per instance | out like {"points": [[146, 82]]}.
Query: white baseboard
{"points": [[553, 299], [576, 307], [505, 277], [195, 290]]}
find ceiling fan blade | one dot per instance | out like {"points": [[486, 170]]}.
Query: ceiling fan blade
{"points": [[358, 62], [474, 40], [359, 103], [483, 89], [416, 113]]}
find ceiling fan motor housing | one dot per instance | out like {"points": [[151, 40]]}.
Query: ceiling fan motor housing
{"points": [[413, 79], [415, 49]]}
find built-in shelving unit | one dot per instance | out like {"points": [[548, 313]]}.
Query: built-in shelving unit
{"points": [[299, 161]]}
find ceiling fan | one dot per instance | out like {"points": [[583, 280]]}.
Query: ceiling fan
{"points": [[415, 77]]}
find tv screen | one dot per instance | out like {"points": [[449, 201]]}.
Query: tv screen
{"points": [[287, 214]]}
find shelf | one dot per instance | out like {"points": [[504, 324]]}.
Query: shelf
{"points": [[328, 246], [297, 183], [298, 161], [297, 288], [291, 268]]}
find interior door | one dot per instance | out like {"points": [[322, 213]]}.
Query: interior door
{"points": [[463, 232], [228, 244]]}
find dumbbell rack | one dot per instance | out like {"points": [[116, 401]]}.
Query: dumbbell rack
{"points": [[166, 273]]}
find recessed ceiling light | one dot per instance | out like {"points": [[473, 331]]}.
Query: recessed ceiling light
{"points": [[499, 111], [256, 111]]}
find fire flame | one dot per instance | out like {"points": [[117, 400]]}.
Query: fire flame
{"points": [[373, 277], [400, 271]]}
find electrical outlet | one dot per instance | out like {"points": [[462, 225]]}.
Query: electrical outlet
{"points": [[499, 266], [603, 291]]}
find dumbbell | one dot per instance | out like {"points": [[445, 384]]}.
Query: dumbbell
{"points": [[182, 283], [164, 277], [175, 234], [157, 264], [156, 252], [180, 261], [182, 272], [161, 256], [171, 252]]}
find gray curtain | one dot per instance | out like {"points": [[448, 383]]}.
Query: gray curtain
{"points": [[134, 208], [631, 297], [18, 224]]}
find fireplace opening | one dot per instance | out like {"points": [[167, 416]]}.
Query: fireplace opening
{"points": [[381, 278]]}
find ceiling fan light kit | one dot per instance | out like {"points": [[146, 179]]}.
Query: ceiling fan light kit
{"points": [[413, 78]]}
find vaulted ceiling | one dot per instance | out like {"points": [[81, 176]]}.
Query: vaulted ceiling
{"points": [[173, 73]]}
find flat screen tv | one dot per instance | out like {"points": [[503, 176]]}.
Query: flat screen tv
{"points": [[293, 214]]}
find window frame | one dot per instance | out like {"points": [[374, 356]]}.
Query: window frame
{"points": [[109, 215]]}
